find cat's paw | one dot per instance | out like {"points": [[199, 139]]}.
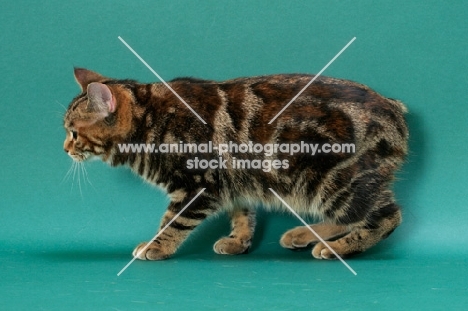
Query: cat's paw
{"points": [[342, 247], [297, 238], [320, 251], [231, 246], [154, 251]]}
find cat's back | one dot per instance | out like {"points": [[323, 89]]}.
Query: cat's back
{"points": [[326, 99], [243, 108], [280, 87]]}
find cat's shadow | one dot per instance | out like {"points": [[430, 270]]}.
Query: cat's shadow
{"points": [[199, 246], [407, 179], [212, 229], [265, 244]]}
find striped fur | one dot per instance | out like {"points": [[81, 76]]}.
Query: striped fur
{"points": [[350, 192]]}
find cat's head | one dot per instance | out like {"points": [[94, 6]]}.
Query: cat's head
{"points": [[98, 118]]}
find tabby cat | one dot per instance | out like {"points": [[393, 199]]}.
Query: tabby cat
{"points": [[348, 191]]}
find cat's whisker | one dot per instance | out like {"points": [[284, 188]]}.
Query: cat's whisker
{"points": [[67, 175], [85, 174], [58, 113], [74, 175], [79, 164], [64, 108], [75, 171]]}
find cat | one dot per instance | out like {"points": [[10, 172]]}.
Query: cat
{"points": [[348, 191]]}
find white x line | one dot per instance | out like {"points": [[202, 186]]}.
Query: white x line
{"points": [[279, 113], [313, 79], [161, 79]]}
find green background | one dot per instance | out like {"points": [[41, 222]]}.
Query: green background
{"points": [[61, 247]]}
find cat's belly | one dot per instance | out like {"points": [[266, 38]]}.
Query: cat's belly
{"points": [[268, 201]]}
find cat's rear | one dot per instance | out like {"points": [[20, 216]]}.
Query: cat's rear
{"points": [[348, 187]]}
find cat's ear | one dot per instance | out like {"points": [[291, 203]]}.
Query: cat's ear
{"points": [[84, 77], [100, 99]]}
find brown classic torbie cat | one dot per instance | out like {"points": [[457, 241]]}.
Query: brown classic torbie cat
{"points": [[349, 191]]}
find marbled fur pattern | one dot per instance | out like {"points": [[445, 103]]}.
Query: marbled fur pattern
{"points": [[349, 192]]}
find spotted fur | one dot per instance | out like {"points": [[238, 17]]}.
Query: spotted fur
{"points": [[350, 192]]}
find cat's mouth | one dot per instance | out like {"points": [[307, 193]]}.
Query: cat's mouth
{"points": [[80, 157]]}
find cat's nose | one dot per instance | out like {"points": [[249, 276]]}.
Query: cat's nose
{"points": [[65, 149]]}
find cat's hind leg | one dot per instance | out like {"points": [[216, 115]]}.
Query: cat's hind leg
{"points": [[379, 224], [302, 237], [240, 238]]}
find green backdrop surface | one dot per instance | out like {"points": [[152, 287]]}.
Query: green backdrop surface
{"points": [[64, 239]]}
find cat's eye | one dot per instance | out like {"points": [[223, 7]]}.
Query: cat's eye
{"points": [[74, 135]]}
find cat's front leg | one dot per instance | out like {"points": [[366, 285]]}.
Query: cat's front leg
{"points": [[240, 239], [169, 239]]}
